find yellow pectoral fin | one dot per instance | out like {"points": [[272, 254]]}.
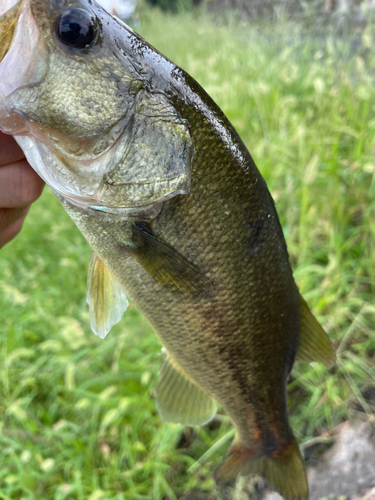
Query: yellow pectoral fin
{"points": [[179, 399], [105, 297], [314, 345]]}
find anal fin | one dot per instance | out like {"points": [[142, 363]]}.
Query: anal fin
{"points": [[179, 399], [105, 297], [314, 345]]}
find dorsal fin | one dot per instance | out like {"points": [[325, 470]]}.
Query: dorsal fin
{"points": [[105, 297], [314, 345]]}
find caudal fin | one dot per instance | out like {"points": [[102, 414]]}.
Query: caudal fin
{"points": [[284, 472]]}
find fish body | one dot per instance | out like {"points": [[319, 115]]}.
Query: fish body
{"points": [[178, 216]]}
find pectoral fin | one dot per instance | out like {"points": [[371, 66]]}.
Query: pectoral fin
{"points": [[105, 297], [166, 265], [179, 399], [314, 345]]}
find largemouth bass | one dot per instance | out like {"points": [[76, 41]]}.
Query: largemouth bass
{"points": [[178, 217]]}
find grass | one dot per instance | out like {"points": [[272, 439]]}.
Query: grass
{"points": [[78, 418]]}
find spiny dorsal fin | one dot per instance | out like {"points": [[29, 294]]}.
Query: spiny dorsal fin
{"points": [[167, 266], [105, 297], [314, 345], [179, 399]]}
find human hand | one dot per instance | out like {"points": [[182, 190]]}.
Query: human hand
{"points": [[19, 187]]}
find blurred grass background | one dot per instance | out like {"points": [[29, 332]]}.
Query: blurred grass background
{"points": [[78, 418]]}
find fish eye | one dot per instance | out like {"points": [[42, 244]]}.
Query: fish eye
{"points": [[76, 28]]}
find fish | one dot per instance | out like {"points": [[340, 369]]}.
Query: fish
{"points": [[178, 217]]}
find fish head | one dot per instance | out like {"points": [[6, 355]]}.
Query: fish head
{"points": [[85, 97]]}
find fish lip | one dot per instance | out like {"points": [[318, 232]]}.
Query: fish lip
{"points": [[9, 15], [27, 42], [6, 6]]}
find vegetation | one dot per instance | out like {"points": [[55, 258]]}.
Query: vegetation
{"points": [[78, 418], [174, 5], [306, 11]]}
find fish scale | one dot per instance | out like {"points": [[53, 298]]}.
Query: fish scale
{"points": [[178, 217], [234, 284]]}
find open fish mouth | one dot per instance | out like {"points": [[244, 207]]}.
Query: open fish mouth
{"points": [[9, 10], [20, 40]]}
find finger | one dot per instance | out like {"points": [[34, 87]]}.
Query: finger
{"points": [[9, 150], [19, 185], [12, 230], [9, 215]]}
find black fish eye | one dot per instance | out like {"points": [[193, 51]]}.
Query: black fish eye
{"points": [[76, 28]]}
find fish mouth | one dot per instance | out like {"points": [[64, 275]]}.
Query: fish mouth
{"points": [[23, 58], [9, 12]]}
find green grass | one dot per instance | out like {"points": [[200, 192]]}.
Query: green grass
{"points": [[78, 418]]}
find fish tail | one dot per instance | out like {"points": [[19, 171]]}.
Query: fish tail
{"points": [[283, 470]]}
